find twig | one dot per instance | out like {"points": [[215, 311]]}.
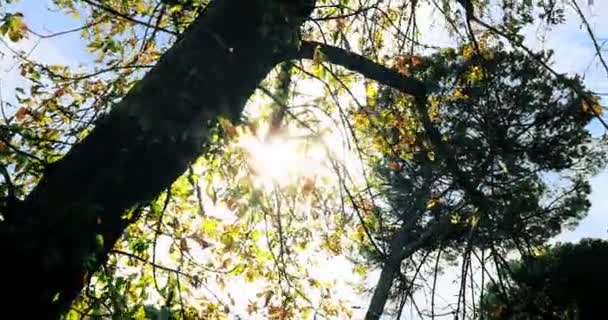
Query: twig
{"points": [[153, 264], [598, 50], [60, 33], [126, 17], [156, 234]]}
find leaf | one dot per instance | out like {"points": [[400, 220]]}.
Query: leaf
{"points": [[455, 218], [416, 61], [56, 297], [210, 225], [60, 91], [431, 204], [360, 269], [239, 269], [21, 113], [538, 251], [308, 185], [474, 220], [431, 155], [503, 167], [459, 94], [468, 51], [226, 263], [99, 240], [592, 105], [403, 66], [251, 275], [318, 56], [14, 26], [394, 165]]}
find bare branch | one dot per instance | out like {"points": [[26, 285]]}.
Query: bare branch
{"points": [[366, 67]]}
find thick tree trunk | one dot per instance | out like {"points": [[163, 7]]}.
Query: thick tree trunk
{"points": [[138, 150]]}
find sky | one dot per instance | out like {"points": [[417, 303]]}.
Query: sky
{"points": [[573, 54]]}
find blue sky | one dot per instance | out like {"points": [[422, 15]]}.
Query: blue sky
{"points": [[574, 53]]}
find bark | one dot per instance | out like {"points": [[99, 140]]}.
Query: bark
{"points": [[139, 149], [382, 289]]}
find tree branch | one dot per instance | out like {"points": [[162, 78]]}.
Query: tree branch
{"points": [[127, 17], [366, 67], [596, 46]]}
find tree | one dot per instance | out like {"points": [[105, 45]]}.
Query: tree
{"points": [[468, 173], [564, 281], [149, 130], [68, 223]]}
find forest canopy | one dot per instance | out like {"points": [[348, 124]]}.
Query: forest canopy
{"points": [[272, 159]]}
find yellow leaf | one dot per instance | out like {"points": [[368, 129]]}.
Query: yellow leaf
{"points": [[468, 51], [592, 105], [252, 307], [308, 186], [14, 26], [431, 155], [226, 263], [314, 283], [431, 203], [318, 56], [455, 218], [474, 220], [251, 275], [538, 251], [459, 94]]}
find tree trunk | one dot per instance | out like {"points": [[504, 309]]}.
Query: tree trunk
{"points": [[70, 221], [382, 290], [403, 246]]}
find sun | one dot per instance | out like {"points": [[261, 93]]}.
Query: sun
{"points": [[283, 158]]}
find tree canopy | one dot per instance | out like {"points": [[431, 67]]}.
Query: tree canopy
{"points": [[565, 281], [265, 158]]}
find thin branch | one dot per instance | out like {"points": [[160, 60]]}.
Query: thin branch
{"points": [[126, 17], [598, 50], [519, 44], [435, 274], [346, 15], [146, 261], [156, 234], [197, 190], [60, 33]]}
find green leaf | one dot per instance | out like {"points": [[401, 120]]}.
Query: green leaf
{"points": [[14, 26], [99, 240]]}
